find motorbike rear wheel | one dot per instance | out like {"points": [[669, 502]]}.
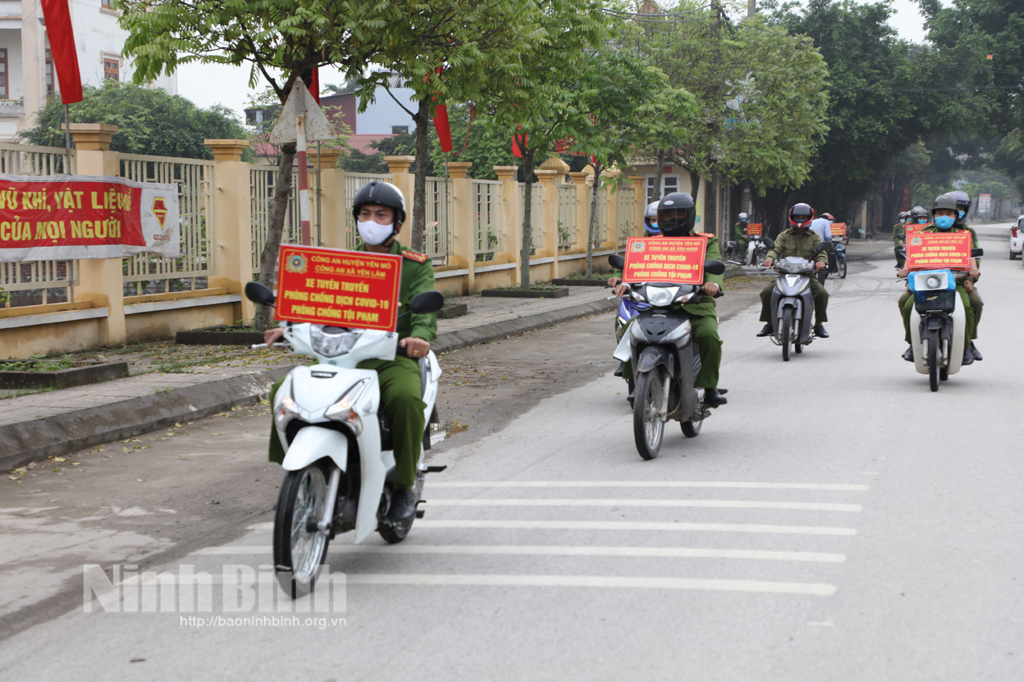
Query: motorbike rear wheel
{"points": [[648, 428], [784, 333], [933, 360], [298, 550]]}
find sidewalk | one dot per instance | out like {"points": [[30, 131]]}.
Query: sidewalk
{"points": [[34, 427]]}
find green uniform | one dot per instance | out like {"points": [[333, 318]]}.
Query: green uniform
{"points": [[703, 325], [400, 390], [967, 300], [899, 234], [739, 231], [789, 244]]}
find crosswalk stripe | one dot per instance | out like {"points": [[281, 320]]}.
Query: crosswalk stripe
{"points": [[428, 524], [647, 484], [549, 550], [704, 504]]}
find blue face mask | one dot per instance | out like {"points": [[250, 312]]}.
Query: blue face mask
{"points": [[944, 222], [962, 214], [922, 221]]}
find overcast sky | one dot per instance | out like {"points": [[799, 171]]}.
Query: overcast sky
{"points": [[211, 84]]}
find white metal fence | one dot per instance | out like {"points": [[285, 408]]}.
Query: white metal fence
{"points": [[149, 274], [261, 197], [353, 181], [35, 282], [566, 216], [437, 231], [488, 225]]}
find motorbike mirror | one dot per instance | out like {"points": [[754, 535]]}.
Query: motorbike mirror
{"points": [[427, 302], [714, 267], [977, 253], [731, 244], [820, 247], [769, 242], [616, 261], [258, 293]]}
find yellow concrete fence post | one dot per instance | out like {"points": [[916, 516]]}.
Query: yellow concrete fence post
{"points": [[579, 181], [548, 179], [613, 235], [405, 181], [101, 280], [332, 197], [511, 218], [463, 220], [234, 223], [641, 204]]}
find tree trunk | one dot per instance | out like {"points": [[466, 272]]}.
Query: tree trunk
{"points": [[524, 268], [694, 184], [592, 227], [659, 173], [419, 192], [268, 262]]}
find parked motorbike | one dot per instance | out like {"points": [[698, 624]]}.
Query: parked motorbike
{"points": [[937, 322], [792, 306], [339, 456], [665, 360]]}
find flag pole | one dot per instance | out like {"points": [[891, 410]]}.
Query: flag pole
{"points": [[67, 139]]}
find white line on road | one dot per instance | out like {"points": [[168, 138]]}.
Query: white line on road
{"points": [[485, 580], [648, 484], [710, 504], [550, 550], [620, 525]]}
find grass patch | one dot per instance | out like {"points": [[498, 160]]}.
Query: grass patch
{"points": [[37, 364], [533, 287], [598, 276], [181, 366]]}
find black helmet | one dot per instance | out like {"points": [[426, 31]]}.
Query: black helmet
{"points": [[963, 204], [676, 215], [919, 212], [380, 193], [800, 216], [947, 201]]}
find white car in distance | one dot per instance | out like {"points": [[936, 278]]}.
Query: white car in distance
{"points": [[1017, 238]]}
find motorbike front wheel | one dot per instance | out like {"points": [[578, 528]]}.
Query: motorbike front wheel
{"points": [[648, 407], [841, 267], [299, 546], [933, 360], [786, 324]]}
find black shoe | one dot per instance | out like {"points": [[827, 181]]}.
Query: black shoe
{"points": [[819, 331], [908, 354], [618, 371], [712, 398], [975, 352], [403, 506], [968, 357], [766, 330]]}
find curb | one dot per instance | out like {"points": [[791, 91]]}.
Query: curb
{"points": [[61, 434], [35, 440]]}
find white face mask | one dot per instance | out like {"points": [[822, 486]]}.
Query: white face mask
{"points": [[373, 233]]}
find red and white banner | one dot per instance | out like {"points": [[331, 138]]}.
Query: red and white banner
{"points": [[62, 217]]}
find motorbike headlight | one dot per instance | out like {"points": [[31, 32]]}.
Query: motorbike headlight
{"points": [[285, 407], [331, 341], [344, 409], [661, 296]]}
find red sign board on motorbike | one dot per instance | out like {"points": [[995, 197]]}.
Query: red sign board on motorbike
{"points": [[939, 250], [665, 259], [838, 229], [754, 229], [916, 227], [338, 288]]}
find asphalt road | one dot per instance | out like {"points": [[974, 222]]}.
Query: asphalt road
{"points": [[836, 521]]}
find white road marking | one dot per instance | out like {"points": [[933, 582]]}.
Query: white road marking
{"points": [[708, 504], [648, 484], [486, 580], [619, 525], [549, 550]]}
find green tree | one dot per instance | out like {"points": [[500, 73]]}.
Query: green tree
{"points": [[281, 40], [149, 121]]}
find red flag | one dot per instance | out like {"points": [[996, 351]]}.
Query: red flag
{"points": [[516, 151], [444, 131], [62, 48], [314, 84]]}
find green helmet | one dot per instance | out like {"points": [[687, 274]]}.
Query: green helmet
{"points": [[919, 212], [947, 201]]}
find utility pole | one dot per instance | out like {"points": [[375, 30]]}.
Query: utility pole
{"points": [[751, 7]]}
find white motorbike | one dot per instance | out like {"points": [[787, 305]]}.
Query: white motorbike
{"points": [[338, 447], [937, 323]]}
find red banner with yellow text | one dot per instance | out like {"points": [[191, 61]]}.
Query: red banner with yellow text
{"points": [[665, 259], [939, 250], [62, 217], [338, 288], [838, 229], [754, 229]]}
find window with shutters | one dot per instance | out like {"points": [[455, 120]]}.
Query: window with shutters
{"points": [[51, 86], [111, 69], [3, 74]]}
